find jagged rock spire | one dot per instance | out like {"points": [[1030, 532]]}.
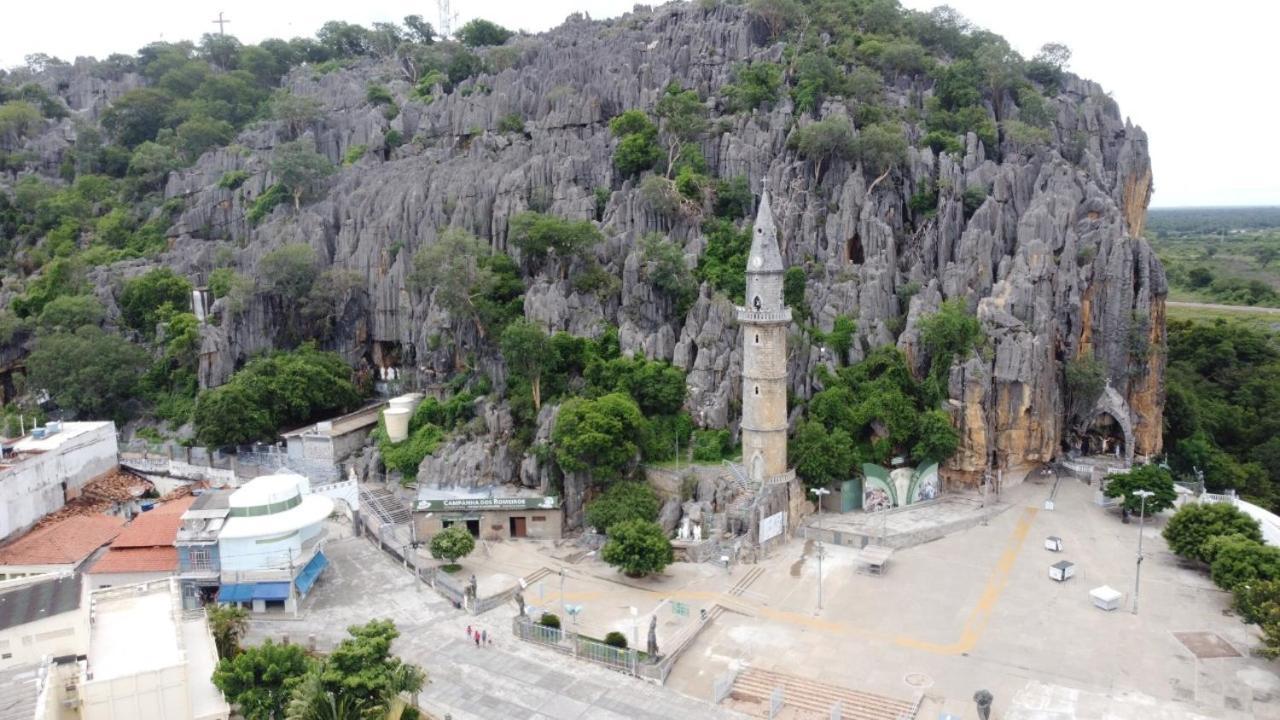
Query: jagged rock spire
{"points": [[765, 256]]}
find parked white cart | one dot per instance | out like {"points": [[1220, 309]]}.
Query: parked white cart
{"points": [[1062, 571]]}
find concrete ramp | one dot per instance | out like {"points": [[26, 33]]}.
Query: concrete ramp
{"points": [[816, 699]]}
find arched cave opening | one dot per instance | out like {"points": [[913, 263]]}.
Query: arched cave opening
{"points": [[853, 250], [1103, 436]]}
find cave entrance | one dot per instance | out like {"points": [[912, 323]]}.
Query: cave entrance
{"points": [[853, 250], [1104, 436]]}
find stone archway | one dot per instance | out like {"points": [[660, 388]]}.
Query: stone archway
{"points": [[1111, 404]]}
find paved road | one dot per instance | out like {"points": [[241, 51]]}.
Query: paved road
{"points": [[1225, 308], [509, 680]]}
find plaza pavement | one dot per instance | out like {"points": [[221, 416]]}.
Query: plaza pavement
{"points": [[973, 610]]}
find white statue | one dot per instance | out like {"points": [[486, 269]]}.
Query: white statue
{"points": [[697, 532]]}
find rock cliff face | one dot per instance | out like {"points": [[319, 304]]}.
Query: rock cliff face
{"points": [[1052, 262]]}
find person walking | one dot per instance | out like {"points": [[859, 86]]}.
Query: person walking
{"points": [[477, 640], [484, 637], [468, 632]]}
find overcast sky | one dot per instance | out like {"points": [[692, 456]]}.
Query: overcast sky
{"points": [[1198, 77]]}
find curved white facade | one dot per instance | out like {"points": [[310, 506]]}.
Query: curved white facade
{"points": [[272, 521]]}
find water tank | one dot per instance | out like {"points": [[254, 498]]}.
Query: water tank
{"points": [[397, 420], [405, 402]]}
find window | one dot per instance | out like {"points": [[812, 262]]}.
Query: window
{"points": [[757, 389], [55, 634], [757, 338], [6, 656], [538, 518]]}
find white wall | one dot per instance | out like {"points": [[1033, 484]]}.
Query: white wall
{"points": [[250, 554], [154, 695], [64, 634], [32, 488], [100, 580]]}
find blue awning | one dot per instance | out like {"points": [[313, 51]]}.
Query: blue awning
{"points": [[308, 576], [235, 593], [271, 591]]}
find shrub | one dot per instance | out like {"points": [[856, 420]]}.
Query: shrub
{"points": [[725, 258], [266, 202], [941, 141], [754, 85], [405, 456], [711, 445], [550, 620], [637, 548], [354, 153], [598, 436], [1193, 525], [636, 153], [289, 270], [393, 139], [481, 32], [232, 179], [452, 543], [378, 95], [733, 198], [623, 501], [512, 123], [1237, 560], [616, 639]]}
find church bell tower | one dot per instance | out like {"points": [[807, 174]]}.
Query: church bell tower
{"points": [[764, 321]]}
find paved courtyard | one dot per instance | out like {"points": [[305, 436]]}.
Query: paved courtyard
{"points": [[973, 610]]}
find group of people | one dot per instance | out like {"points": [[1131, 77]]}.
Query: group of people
{"points": [[480, 637]]}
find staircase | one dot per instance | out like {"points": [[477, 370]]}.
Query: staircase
{"points": [[384, 504], [747, 492], [816, 698]]}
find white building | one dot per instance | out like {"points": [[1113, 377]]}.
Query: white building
{"points": [[269, 547], [147, 660], [43, 470], [42, 617]]}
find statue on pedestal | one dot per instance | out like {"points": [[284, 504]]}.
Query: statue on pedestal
{"points": [[653, 636]]}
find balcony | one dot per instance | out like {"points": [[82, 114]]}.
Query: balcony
{"points": [[780, 317]]}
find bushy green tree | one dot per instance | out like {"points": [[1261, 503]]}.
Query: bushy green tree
{"points": [[18, 119], [1195, 523], [1152, 478], [480, 32], [683, 118], [1259, 602], [665, 269], [621, 502], [289, 270], [299, 168], [70, 313], [822, 457], [88, 371], [598, 436], [259, 680], [227, 624], [452, 543], [755, 84], [637, 149], [137, 116], [528, 353], [538, 236], [272, 392], [637, 548], [360, 677], [724, 260], [949, 334], [823, 142]]}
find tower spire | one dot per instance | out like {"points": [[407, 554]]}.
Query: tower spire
{"points": [[765, 256]]}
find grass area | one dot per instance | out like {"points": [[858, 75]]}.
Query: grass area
{"points": [[1222, 255], [451, 568], [1250, 317]]}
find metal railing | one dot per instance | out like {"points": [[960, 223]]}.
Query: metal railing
{"points": [[625, 660], [723, 686]]}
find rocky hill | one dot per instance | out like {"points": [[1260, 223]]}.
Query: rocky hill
{"points": [[1027, 210]]}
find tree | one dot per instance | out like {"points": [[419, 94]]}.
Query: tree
{"points": [[481, 32], [598, 436], [151, 164], [149, 298], [87, 371], [621, 502], [539, 235], [683, 118], [665, 269], [260, 679], [950, 333], [362, 669], [70, 313], [637, 149], [938, 438], [200, 133], [227, 624], [528, 354], [289, 270], [298, 167], [297, 112], [311, 700], [822, 457], [17, 119], [823, 141], [1085, 380], [1259, 602], [454, 271], [452, 543], [777, 15], [755, 84], [1143, 477], [616, 639], [137, 116], [1194, 524], [637, 548], [420, 31], [881, 147]]}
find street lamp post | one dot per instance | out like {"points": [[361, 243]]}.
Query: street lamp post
{"points": [[1142, 515], [820, 493]]}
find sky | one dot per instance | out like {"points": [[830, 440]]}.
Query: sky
{"points": [[1199, 78]]}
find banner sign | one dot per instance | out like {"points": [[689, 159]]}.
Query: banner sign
{"points": [[772, 526], [489, 503]]}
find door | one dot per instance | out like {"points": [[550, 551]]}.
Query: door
{"points": [[473, 527], [518, 529]]}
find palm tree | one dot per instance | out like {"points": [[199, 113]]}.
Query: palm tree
{"points": [[227, 623], [311, 701]]}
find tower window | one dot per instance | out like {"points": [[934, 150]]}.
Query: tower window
{"points": [[757, 389], [755, 303], [757, 338]]}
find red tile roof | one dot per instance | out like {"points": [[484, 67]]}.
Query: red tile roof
{"points": [[135, 560], [154, 528], [67, 542]]}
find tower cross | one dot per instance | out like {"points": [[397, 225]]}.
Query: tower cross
{"points": [[221, 23]]}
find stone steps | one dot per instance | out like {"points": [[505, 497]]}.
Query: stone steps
{"points": [[755, 685]]}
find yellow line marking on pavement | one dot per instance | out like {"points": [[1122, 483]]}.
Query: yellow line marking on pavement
{"points": [[972, 631]]}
